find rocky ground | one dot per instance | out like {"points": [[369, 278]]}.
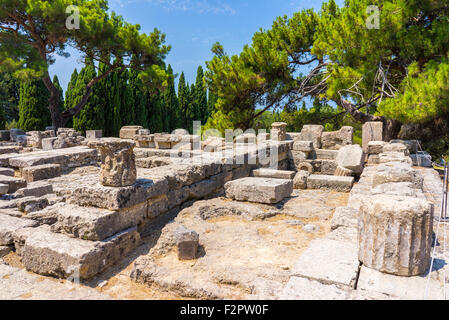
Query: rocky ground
{"points": [[246, 252]]}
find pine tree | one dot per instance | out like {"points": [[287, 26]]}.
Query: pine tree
{"points": [[33, 106], [211, 102]]}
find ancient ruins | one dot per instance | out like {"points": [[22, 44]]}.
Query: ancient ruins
{"points": [[284, 215]]}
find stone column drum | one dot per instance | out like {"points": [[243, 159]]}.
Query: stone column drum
{"points": [[118, 167], [278, 132], [395, 234]]}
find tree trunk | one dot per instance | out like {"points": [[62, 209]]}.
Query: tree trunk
{"points": [[391, 127], [53, 103]]}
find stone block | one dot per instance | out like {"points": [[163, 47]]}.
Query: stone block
{"points": [[312, 133], [261, 190], [351, 157], [395, 234], [94, 134], [47, 253], [13, 133], [4, 189], [304, 146], [422, 159], [396, 172], [328, 167], [341, 184], [34, 189], [346, 217], [31, 204], [336, 139], [413, 146], [373, 159], [118, 167], [7, 172], [128, 132], [13, 183], [371, 131], [329, 262], [375, 147], [298, 288], [9, 149], [396, 147], [41, 172], [300, 180], [9, 224], [4, 250], [343, 172], [322, 154], [187, 242], [4, 135], [394, 157], [272, 173]]}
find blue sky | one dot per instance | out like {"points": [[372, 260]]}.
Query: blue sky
{"points": [[193, 26]]}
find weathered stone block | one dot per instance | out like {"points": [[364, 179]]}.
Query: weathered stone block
{"points": [[394, 157], [94, 134], [328, 167], [13, 133], [7, 172], [272, 173], [343, 172], [346, 217], [396, 172], [422, 159], [396, 147], [278, 132], [8, 225], [375, 147], [4, 189], [13, 183], [336, 139], [47, 253], [351, 157], [118, 167], [342, 184], [262, 190], [300, 180], [312, 133], [31, 204], [10, 149], [128, 132], [41, 172], [34, 189], [304, 146], [371, 131], [395, 234], [373, 159], [322, 154], [187, 242]]}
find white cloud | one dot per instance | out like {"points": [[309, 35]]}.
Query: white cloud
{"points": [[199, 6]]}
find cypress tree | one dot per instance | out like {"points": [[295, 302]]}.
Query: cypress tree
{"points": [[139, 99], [33, 106], [183, 99], [91, 117], [70, 95], [211, 102], [155, 112], [171, 104], [201, 97], [103, 88], [9, 98], [61, 94], [127, 114]]}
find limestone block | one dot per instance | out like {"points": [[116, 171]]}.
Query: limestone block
{"points": [[322, 154], [375, 147], [396, 147], [351, 157], [305, 166], [248, 138], [128, 132], [396, 172], [4, 135], [300, 180], [336, 139], [94, 134], [343, 172], [22, 140], [373, 159], [166, 141], [31, 204], [13, 133], [9, 149], [346, 217], [187, 242], [272, 173], [371, 131], [261, 190], [41, 172], [304, 146], [394, 157], [395, 234], [278, 132], [4, 189], [49, 143], [7, 172], [9, 224], [328, 167], [118, 167], [13, 183], [34, 189], [312, 133], [4, 250], [341, 184], [413, 146], [47, 253]]}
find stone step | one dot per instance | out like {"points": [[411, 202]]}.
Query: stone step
{"points": [[34, 189], [337, 183], [69, 157], [48, 253], [273, 173], [261, 190], [323, 154], [13, 183], [9, 224], [41, 172], [90, 223], [7, 172]]}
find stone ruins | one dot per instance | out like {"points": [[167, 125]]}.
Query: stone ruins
{"points": [[284, 215]]}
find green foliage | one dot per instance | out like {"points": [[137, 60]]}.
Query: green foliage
{"points": [[172, 118], [9, 98], [33, 113]]}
